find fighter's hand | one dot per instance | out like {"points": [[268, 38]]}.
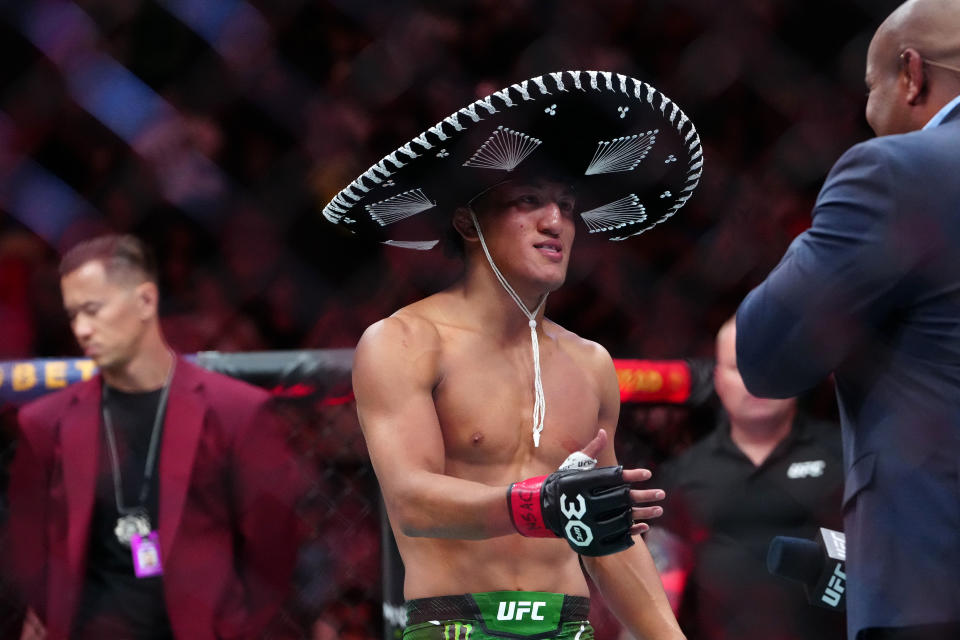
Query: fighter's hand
{"points": [[596, 446], [586, 458], [593, 509], [641, 498]]}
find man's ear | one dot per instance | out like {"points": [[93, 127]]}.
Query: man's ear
{"points": [[147, 299], [913, 76], [463, 223]]}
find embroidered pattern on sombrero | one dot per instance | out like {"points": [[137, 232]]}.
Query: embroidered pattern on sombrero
{"points": [[421, 175], [505, 150], [403, 205], [615, 215], [621, 154]]}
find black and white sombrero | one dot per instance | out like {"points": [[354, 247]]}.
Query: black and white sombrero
{"points": [[632, 155]]}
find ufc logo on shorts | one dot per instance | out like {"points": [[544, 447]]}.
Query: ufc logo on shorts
{"points": [[516, 610]]}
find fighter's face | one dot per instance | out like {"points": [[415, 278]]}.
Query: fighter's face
{"points": [[107, 315], [529, 229]]}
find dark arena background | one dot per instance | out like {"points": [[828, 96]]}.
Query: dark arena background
{"points": [[218, 129]]}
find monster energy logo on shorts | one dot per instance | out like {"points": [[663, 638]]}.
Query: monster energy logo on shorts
{"points": [[519, 612], [457, 631]]}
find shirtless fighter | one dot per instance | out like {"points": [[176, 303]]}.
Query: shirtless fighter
{"points": [[491, 533]]}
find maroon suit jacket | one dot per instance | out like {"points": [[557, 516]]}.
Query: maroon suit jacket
{"points": [[228, 484]]}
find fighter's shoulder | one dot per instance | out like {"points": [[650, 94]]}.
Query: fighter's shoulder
{"points": [[407, 338], [407, 328], [587, 353]]}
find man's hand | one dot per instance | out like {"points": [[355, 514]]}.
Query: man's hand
{"points": [[630, 476], [595, 510]]}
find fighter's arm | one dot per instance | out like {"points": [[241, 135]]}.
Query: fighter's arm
{"points": [[834, 285], [395, 369], [628, 580]]}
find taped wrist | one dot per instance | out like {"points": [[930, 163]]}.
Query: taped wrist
{"points": [[591, 509], [526, 510]]}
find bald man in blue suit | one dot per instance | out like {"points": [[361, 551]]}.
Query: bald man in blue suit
{"points": [[871, 293]]}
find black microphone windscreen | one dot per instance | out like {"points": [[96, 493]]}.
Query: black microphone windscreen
{"points": [[795, 558]]}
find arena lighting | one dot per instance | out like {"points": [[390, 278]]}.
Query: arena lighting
{"points": [[42, 202], [122, 102], [325, 374], [654, 381], [242, 37]]}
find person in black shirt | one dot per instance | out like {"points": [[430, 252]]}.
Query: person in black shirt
{"points": [[156, 500], [115, 601], [764, 471]]}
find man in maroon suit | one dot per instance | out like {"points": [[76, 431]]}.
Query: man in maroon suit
{"points": [[154, 501]]}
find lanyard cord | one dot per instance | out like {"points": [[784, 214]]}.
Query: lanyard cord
{"points": [[539, 402], [151, 452]]}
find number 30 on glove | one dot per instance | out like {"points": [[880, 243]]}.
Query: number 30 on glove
{"points": [[590, 509]]}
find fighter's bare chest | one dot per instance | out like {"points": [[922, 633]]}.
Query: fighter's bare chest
{"points": [[485, 401]]}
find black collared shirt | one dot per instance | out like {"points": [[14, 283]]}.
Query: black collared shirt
{"points": [[727, 510]]}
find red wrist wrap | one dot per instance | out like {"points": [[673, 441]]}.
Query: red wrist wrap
{"points": [[523, 498]]}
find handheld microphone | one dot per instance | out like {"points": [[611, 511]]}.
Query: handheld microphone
{"points": [[818, 565]]}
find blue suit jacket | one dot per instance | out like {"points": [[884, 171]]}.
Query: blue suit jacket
{"points": [[871, 292]]}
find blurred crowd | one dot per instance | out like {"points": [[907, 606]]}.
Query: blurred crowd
{"points": [[335, 85], [272, 110]]}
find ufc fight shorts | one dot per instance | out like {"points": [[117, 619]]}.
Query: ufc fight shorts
{"points": [[531, 615]]}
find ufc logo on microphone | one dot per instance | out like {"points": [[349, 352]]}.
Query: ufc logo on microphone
{"points": [[516, 610], [835, 587]]}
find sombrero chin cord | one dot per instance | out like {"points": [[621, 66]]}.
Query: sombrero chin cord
{"points": [[539, 403]]}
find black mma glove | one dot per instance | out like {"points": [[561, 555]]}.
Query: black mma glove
{"points": [[591, 509]]}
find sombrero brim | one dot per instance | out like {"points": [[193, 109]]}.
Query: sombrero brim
{"points": [[632, 155]]}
